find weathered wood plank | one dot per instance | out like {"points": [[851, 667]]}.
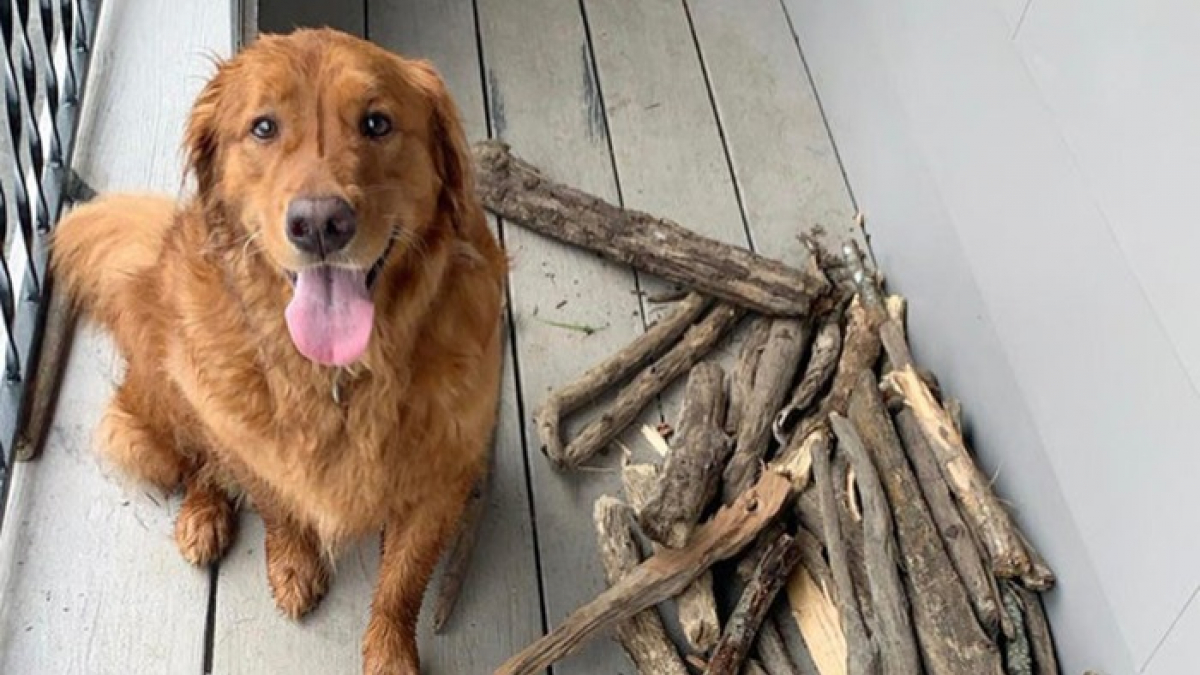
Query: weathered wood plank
{"points": [[784, 162], [90, 579], [543, 100]]}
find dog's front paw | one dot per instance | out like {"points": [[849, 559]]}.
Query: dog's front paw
{"points": [[389, 650], [298, 575], [204, 527]]}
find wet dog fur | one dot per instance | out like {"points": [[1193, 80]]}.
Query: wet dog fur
{"points": [[217, 400]]}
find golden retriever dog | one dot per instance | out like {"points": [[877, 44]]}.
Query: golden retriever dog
{"points": [[319, 328]]}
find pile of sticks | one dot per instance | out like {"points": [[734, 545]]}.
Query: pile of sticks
{"points": [[825, 469]]}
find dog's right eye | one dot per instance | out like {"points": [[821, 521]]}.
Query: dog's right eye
{"points": [[264, 128]]}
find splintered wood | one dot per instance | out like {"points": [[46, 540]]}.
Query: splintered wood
{"points": [[827, 467]]}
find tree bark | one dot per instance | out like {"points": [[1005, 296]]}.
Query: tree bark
{"points": [[989, 519], [459, 557], [776, 368], [1041, 643], [642, 636], [689, 478], [862, 656], [635, 396], [549, 416], [515, 190], [949, 635], [662, 576], [822, 362], [812, 599], [897, 642], [742, 628], [960, 545], [772, 649], [696, 605], [741, 382]]}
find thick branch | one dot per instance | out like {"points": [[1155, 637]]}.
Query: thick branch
{"points": [[776, 367], [660, 577], [809, 592], [1038, 629], [549, 416], [822, 361], [642, 636], [863, 659], [741, 382], [772, 649], [960, 545], [897, 642], [950, 637], [459, 557], [696, 604], [515, 190], [1018, 655], [688, 480], [973, 490]]}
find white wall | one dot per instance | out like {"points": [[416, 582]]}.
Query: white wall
{"points": [[1025, 168]]}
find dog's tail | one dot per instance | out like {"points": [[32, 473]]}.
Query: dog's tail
{"points": [[102, 251]]}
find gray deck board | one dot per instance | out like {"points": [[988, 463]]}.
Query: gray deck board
{"points": [[784, 162], [90, 580], [716, 128], [543, 101]]}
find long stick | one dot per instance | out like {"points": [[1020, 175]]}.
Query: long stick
{"points": [[942, 615], [515, 190], [548, 418], [660, 577], [459, 557], [898, 645], [696, 605], [960, 545], [972, 488], [862, 656], [689, 477], [636, 395]]}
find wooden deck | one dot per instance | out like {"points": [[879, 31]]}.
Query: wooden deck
{"points": [[701, 111]]}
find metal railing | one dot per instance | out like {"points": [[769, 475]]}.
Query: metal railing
{"points": [[47, 46]]}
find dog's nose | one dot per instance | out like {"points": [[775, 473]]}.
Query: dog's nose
{"points": [[320, 225]]}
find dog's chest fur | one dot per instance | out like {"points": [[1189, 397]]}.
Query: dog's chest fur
{"points": [[394, 434]]}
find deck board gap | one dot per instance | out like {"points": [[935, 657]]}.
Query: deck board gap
{"points": [[837, 153], [514, 352], [210, 619], [716, 110]]}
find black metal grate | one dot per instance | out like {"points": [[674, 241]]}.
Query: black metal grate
{"points": [[47, 45]]}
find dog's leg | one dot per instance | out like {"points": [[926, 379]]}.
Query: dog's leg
{"points": [[204, 527], [134, 445], [411, 547], [296, 570]]}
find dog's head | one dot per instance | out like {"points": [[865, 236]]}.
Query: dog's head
{"points": [[335, 156]]}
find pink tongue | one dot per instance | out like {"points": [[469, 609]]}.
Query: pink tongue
{"points": [[330, 315]]}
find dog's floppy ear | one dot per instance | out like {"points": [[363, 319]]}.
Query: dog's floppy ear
{"points": [[200, 139], [451, 155]]}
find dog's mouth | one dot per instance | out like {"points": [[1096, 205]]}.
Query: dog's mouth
{"points": [[332, 312], [372, 273]]}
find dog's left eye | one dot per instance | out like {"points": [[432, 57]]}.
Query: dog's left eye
{"points": [[376, 125]]}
